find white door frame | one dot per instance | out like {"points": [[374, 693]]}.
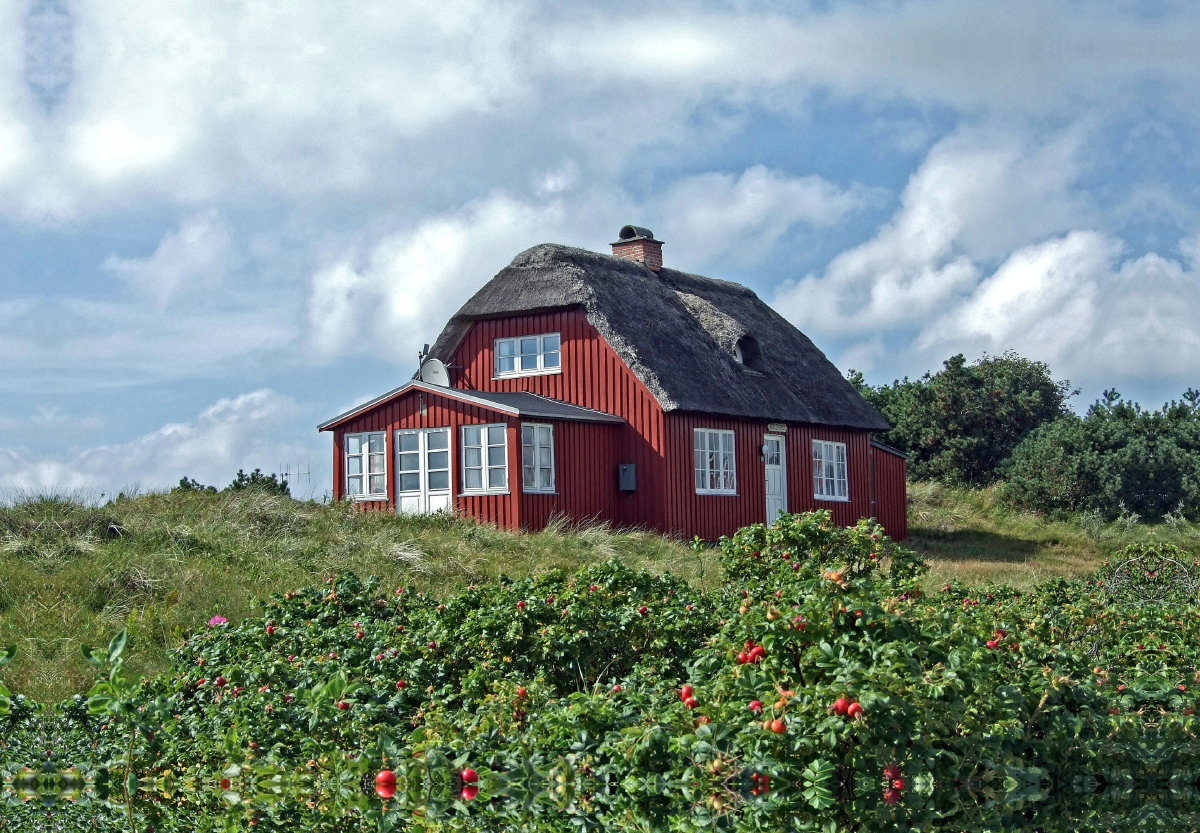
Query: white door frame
{"points": [[775, 504], [424, 499]]}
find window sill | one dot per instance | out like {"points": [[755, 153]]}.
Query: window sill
{"points": [[366, 498], [715, 494], [518, 375], [832, 499], [483, 493], [536, 492]]}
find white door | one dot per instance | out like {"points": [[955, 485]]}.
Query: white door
{"points": [[422, 471], [776, 476]]}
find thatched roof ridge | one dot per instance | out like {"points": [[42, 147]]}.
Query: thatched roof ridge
{"points": [[679, 333]]}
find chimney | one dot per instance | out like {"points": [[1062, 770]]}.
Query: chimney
{"points": [[638, 244]]}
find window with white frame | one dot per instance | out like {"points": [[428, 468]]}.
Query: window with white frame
{"points": [[714, 462], [537, 457], [829, 471], [529, 355], [485, 458], [366, 466]]}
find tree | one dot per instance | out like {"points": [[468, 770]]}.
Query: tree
{"points": [[960, 424], [187, 484], [258, 481], [1117, 456]]}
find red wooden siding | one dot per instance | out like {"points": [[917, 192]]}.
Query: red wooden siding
{"points": [[660, 446], [585, 476], [440, 412], [890, 496], [593, 376], [711, 516]]}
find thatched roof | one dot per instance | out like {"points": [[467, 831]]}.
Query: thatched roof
{"points": [[680, 334]]}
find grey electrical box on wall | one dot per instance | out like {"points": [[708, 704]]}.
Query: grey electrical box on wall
{"points": [[627, 477]]}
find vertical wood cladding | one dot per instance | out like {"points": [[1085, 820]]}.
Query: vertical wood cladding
{"points": [[711, 516], [659, 445], [587, 455], [439, 412], [891, 491]]}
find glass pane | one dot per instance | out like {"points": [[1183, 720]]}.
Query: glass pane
{"points": [[354, 465], [550, 360], [544, 435], [473, 479], [471, 435], [354, 485], [438, 439], [495, 455], [506, 365], [527, 434], [529, 347], [376, 444], [375, 463], [727, 442], [410, 482], [353, 443], [439, 480], [545, 479], [550, 343], [700, 479], [473, 457], [495, 435], [378, 484], [496, 479], [410, 442], [438, 460], [544, 457], [508, 347], [529, 362], [410, 462], [526, 455], [527, 477]]}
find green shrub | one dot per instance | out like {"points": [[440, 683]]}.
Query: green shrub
{"points": [[1117, 457], [610, 699], [959, 424]]}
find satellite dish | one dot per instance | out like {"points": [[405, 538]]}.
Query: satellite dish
{"points": [[434, 372]]}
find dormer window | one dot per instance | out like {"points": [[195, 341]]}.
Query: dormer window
{"points": [[529, 355]]}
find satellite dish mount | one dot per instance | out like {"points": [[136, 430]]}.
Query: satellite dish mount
{"points": [[434, 372]]}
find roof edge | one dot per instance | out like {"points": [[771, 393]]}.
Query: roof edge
{"points": [[889, 449], [413, 384]]}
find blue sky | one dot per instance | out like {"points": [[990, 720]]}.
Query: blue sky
{"points": [[225, 222]]}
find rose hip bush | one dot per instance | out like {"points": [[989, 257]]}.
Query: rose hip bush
{"points": [[820, 687]]}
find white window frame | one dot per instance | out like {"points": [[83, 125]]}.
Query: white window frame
{"points": [[703, 468], [536, 428], [484, 455], [825, 455], [542, 369], [365, 458]]}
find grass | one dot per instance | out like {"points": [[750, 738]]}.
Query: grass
{"points": [[971, 535], [162, 564]]}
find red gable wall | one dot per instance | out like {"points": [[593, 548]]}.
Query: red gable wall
{"points": [[593, 376]]}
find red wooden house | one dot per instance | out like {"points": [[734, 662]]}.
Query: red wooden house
{"points": [[611, 388]]}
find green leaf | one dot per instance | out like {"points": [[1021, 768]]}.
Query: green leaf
{"points": [[818, 779], [94, 657], [7, 654], [117, 645]]}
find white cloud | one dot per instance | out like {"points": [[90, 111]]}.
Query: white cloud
{"points": [[389, 299], [196, 255], [1068, 301], [252, 430], [979, 193], [714, 214]]}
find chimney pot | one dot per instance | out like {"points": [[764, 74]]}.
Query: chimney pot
{"points": [[638, 244]]}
